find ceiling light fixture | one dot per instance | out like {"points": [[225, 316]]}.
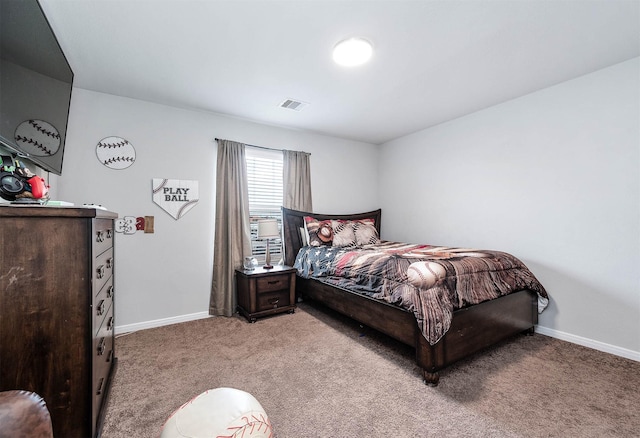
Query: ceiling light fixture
{"points": [[352, 52]]}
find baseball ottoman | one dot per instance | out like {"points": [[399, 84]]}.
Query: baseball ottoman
{"points": [[221, 412]]}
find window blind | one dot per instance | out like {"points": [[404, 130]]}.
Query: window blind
{"points": [[265, 185]]}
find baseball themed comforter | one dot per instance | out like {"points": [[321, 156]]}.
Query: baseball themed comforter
{"points": [[430, 281]]}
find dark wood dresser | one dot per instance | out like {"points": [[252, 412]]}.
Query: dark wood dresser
{"points": [[56, 311]]}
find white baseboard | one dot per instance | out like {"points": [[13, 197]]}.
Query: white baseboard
{"points": [[120, 329], [585, 342]]}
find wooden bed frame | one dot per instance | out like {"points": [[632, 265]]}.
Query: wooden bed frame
{"points": [[472, 329]]}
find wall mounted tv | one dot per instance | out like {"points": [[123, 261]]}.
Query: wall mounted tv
{"points": [[35, 85]]}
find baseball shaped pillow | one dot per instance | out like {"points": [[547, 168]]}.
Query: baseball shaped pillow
{"points": [[325, 232], [425, 274]]}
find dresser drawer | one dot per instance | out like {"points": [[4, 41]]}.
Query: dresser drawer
{"points": [[103, 268], [103, 342], [103, 357], [102, 303], [273, 300], [102, 235], [272, 283]]}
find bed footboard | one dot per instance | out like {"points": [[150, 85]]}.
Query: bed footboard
{"points": [[472, 329], [476, 328]]}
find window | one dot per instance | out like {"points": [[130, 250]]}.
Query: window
{"points": [[264, 179]]}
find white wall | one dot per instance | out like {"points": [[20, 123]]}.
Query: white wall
{"points": [[165, 276], [551, 177]]}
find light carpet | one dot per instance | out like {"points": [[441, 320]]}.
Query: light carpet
{"points": [[318, 374]]}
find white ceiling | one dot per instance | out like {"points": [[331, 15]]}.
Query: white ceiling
{"points": [[433, 60]]}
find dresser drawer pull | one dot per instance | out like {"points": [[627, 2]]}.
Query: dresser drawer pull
{"points": [[109, 262], [100, 271], [274, 301], [109, 234], [100, 308], [99, 236], [99, 391], [110, 324], [110, 292], [273, 282], [102, 346]]}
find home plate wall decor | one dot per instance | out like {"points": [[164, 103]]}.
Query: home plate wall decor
{"points": [[175, 196], [115, 153]]}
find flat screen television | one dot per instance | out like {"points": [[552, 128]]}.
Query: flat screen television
{"points": [[35, 85]]}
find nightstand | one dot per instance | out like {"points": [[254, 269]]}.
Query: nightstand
{"points": [[263, 292]]}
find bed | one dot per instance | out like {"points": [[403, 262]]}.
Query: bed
{"points": [[470, 328]]}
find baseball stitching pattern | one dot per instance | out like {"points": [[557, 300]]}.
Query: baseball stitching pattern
{"points": [[115, 160], [251, 425], [43, 130], [35, 143], [162, 184], [113, 145], [186, 207]]}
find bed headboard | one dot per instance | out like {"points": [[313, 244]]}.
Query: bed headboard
{"points": [[292, 221]]}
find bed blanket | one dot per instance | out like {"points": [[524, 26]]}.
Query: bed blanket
{"points": [[430, 281]]}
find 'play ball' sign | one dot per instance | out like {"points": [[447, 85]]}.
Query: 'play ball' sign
{"points": [[175, 196]]}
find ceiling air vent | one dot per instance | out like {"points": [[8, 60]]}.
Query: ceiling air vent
{"points": [[294, 105]]}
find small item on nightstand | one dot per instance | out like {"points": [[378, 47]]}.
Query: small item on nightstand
{"points": [[268, 229], [98, 206], [250, 263]]}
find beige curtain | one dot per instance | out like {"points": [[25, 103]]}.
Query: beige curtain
{"points": [[297, 180], [232, 233]]}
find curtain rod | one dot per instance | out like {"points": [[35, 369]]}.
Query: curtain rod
{"points": [[263, 147]]}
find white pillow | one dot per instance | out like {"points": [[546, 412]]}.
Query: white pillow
{"points": [[304, 235]]}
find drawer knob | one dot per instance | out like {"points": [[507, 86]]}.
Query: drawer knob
{"points": [[110, 292], [99, 391], [274, 301], [109, 262], [100, 308], [110, 324], [102, 345], [100, 271], [109, 234]]}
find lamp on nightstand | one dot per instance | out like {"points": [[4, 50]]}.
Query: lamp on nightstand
{"points": [[268, 229]]}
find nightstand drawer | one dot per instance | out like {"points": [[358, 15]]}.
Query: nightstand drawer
{"points": [[273, 300], [272, 283]]}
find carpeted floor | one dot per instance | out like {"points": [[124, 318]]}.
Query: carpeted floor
{"points": [[318, 374]]}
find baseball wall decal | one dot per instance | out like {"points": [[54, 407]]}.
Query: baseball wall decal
{"points": [[115, 153], [38, 138]]}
